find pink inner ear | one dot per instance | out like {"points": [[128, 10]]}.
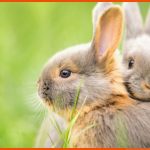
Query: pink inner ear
{"points": [[106, 38]]}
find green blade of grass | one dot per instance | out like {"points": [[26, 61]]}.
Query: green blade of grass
{"points": [[76, 100], [72, 122]]}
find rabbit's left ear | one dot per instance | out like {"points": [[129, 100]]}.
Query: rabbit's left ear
{"points": [[98, 11], [147, 26], [108, 33], [133, 20]]}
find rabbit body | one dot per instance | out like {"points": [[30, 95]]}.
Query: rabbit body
{"points": [[122, 127], [116, 120]]}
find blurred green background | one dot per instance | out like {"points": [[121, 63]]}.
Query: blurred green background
{"points": [[29, 34]]}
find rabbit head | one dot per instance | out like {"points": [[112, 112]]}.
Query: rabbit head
{"points": [[136, 54], [90, 67]]}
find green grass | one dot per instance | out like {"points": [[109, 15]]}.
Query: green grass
{"points": [[65, 135], [29, 34]]}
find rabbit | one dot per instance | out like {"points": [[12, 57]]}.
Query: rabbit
{"points": [[136, 53], [47, 129], [103, 102]]}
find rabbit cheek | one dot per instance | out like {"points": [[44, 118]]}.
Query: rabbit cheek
{"points": [[64, 98], [132, 85], [63, 90]]}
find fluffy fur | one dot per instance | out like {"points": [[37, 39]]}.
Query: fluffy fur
{"points": [[116, 117]]}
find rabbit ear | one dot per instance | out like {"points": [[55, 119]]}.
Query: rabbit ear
{"points": [[133, 20], [98, 10], [108, 32], [147, 27]]}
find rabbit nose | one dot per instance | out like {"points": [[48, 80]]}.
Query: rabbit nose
{"points": [[146, 85], [46, 86], [148, 82], [44, 91]]}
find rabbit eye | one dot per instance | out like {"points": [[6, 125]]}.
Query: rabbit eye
{"points": [[131, 63], [65, 73]]}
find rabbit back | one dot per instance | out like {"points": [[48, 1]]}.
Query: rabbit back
{"points": [[113, 127]]}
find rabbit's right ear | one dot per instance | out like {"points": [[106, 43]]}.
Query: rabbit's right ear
{"points": [[98, 11], [147, 27], [133, 20]]}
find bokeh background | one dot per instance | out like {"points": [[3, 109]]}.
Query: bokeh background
{"points": [[29, 34]]}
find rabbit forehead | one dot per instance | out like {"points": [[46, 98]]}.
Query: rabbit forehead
{"points": [[139, 47], [76, 59], [70, 53], [139, 50]]}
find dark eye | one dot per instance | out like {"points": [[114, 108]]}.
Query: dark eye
{"points": [[65, 73], [131, 63]]}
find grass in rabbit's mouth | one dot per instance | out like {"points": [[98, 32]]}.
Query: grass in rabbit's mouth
{"points": [[65, 135]]}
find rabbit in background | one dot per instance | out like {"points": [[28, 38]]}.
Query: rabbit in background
{"points": [[136, 53], [107, 104]]}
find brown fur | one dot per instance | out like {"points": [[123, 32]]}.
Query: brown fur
{"points": [[116, 119], [106, 121], [54, 73]]}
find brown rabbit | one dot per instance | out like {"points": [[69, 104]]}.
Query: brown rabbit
{"points": [[118, 121]]}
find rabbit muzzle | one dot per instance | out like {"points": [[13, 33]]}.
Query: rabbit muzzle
{"points": [[44, 90]]}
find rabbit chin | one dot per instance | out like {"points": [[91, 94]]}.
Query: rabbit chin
{"points": [[58, 104]]}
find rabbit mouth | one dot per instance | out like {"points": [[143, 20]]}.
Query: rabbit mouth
{"points": [[142, 100], [131, 93], [47, 100]]}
